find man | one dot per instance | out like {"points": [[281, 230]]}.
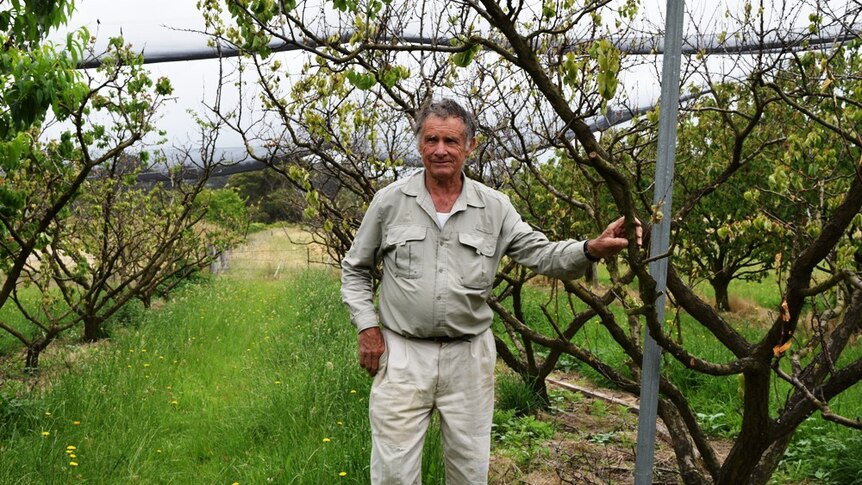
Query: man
{"points": [[441, 236]]}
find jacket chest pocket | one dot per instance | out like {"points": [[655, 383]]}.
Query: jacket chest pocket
{"points": [[403, 254], [475, 260]]}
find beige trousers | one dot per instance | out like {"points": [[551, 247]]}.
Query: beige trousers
{"points": [[415, 378]]}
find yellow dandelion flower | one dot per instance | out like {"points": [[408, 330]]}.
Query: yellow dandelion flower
{"points": [[326, 440], [353, 391], [73, 463], [174, 402], [47, 413], [143, 350], [71, 447], [340, 423], [146, 365], [278, 382], [129, 366], [159, 450], [46, 434], [76, 423], [342, 474], [73, 456]]}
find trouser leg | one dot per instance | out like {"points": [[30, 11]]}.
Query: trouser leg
{"points": [[465, 399], [400, 409]]}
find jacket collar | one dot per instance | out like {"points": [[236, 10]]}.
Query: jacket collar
{"points": [[470, 194]]}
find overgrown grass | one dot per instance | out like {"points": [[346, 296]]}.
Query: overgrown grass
{"points": [[232, 381]]}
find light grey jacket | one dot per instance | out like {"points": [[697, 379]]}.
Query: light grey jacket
{"points": [[436, 281]]}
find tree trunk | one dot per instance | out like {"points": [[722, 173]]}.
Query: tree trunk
{"points": [[720, 285], [540, 387], [93, 330], [753, 440], [147, 299], [763, 473], [34, 350], [689, 470]]}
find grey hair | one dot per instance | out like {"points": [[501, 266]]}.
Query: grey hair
{"points": [[446, 108]]}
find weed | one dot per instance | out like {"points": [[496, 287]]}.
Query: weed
{"points": [[602, 438], [522, 438], [599, 408], [819, 452], [514, 394], [714, 424], [563, 399]]}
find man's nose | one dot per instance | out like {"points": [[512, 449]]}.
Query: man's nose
{"points": [[439, 148]]}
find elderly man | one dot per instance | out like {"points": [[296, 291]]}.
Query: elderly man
{"points": [[441, 236]]}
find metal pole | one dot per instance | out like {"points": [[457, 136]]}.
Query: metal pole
{"points": [[660, 237]]}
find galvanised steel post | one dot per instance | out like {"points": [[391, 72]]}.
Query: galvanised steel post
{"points": [[660, 237]]}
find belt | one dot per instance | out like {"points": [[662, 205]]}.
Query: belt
{"points": [[441, 339]]}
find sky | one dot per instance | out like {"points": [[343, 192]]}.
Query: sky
{"points": [[164, 25], [153, 26]]}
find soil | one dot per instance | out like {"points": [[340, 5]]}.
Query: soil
{"points": [[594, 442]]}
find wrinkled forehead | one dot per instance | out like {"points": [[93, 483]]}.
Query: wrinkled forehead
{"points": [[443, 126]]}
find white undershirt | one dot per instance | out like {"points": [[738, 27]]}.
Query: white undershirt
{"points": [[442, 217]]}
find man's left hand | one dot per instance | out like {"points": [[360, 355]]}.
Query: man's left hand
{"points": [[613, 239]]}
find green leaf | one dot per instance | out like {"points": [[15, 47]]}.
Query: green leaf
{"points": [[392, 75], [389, 78], [363, 81], [608, 59], [464, 58], [163, 86], [5, 18]]}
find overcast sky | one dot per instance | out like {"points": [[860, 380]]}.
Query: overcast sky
{"points": [[160, 25]]}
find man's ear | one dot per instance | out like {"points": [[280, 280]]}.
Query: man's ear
{"points": [[472, 145]]}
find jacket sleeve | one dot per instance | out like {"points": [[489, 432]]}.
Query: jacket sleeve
{"points": [[357, 290], [531, 248]]}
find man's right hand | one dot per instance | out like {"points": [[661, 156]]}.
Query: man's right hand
{"points": [[371, 347]]}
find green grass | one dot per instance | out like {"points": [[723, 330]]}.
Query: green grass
{"points": [[232, 381]]}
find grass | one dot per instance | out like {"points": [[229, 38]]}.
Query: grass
{"points": [[231, 382], [274, 250]]}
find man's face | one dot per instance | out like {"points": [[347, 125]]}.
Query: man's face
{"points": [[444, 148]]}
